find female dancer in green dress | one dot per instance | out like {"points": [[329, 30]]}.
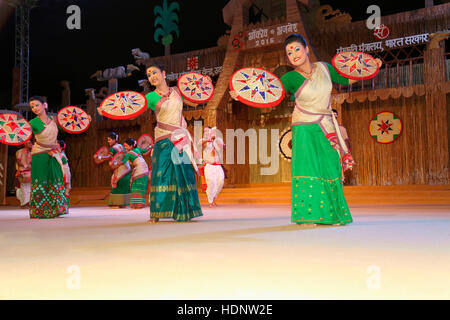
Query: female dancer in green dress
{"points": [[48, 194], [139, 176], [173, 187], [120, 182], [319, 154]]}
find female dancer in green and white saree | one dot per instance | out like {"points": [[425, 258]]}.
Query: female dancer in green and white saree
{"points": [[48, 194], [319, 153], [318, 150], [120, 184], [173, 187], [139, 175]]}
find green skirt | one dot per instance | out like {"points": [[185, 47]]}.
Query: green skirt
{"points": [[316, 190], [173, 188], [139, 192], [48, 199], [120, 195]]}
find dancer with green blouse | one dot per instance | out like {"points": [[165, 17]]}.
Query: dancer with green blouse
{"points": [[139, 175]]}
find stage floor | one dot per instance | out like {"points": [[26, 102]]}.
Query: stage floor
{"points": [[232, 252]]}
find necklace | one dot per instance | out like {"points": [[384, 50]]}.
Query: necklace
{"points": [[161, 94], [307, 75]]}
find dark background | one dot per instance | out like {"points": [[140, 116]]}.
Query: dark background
{"points": [[110, 29]]}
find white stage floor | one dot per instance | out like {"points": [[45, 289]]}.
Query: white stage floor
{"points": [[232, 252]]}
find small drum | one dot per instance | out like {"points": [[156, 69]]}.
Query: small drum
{"points": [[73, 119], [195, 87], [285, 144], [355, 65], [124, 105], [14, 129], [146, 142], [257, 87], [116, 160], [101, 155]]}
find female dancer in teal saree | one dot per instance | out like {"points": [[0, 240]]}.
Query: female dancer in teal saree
{"points": [[173, 187]]}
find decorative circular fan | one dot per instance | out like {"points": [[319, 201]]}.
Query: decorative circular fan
{"points": [[146, 142], [355, 65], [257, 87], [285, 144], [195, 87], [124, 105], [116, 160], [73, 119], [14, 129], [101, 155], [385, 127]]}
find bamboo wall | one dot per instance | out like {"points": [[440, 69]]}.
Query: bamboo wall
{"points": [[406, 160]]}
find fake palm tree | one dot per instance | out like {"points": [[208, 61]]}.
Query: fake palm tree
{"points": [[167, 19]]}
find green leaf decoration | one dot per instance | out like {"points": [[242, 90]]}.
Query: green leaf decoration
{"points": [[166, 20]]}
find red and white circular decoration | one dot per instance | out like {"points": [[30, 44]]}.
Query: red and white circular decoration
{"points": [[124, 105], [385, 127], [355, 65], [73, 119], [145, 142], [257, 87], [116, 160], [14, 129], [195, 87], [381, 32], [101, 155]]}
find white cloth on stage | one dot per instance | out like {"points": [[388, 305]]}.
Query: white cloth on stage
{"points": [[212, 157], [24, 193], [214, 177]]}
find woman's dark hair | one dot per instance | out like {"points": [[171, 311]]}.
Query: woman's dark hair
{"points": [[131, 142], [156, 63], [37, 98], [62, 144], [295, 37], [114, 136], [335, 111]]}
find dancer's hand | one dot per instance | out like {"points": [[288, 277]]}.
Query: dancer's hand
{"points": [[100, 110]]}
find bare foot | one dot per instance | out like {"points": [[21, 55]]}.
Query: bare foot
{"points": [[211, 205], [155, 220]]}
